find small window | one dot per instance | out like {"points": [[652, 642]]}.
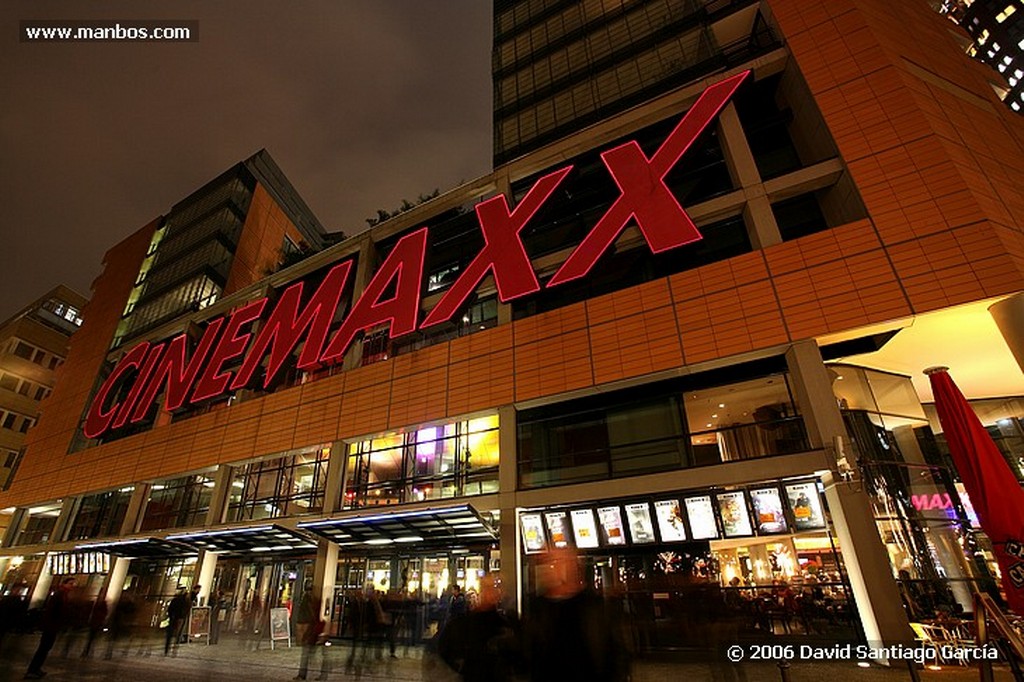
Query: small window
{"points": [[41, 392], [25, 388], [11, 458], [26, 424], [23, 350], [39, 356], [9, 420], [55, 362], [9, 381], [799, 217]]}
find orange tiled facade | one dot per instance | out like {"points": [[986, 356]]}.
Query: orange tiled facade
{"points": [[921, 142]]}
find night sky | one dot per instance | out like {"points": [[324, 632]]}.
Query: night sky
{"points": [[361, 102]]}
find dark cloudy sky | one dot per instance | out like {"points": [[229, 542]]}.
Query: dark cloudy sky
{"points": [[361, 102]]}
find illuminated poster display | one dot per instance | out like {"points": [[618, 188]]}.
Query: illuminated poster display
{"points": [[735, 519], [557, 529], [768, 510], [670, 520], [611, 525], [805, 505], [638, 516], [702, 518], [533, 533], [584, 528]]}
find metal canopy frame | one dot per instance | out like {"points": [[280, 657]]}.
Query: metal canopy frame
{"points": [[140, 548], [247, 539], [437, 526]]}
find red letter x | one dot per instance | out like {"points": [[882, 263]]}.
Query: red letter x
{"points": [[644, 196], [503, 252]]}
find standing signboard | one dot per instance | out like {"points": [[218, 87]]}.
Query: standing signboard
{"points": [[280, 626]]}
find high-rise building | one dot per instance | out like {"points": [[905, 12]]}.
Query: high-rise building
{"points": [[996, 28], [683, 335], [33, 344]]}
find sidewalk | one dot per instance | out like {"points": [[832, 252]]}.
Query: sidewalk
{"points": [[236, 660]]}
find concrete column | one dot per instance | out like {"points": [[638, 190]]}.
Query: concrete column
{"points": [[114, 584], [508, 543], [42, 587], [324, 572], [136, 508], [761, 224], [1009, 317], [68, 509], [864, 556], [219, 499], [207, 566], [18, 521], [738, 157], [364, 273], [335, 477]]}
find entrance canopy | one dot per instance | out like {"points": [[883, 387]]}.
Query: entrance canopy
{"points": [[442, 526], [140, 548], [266, 538]]}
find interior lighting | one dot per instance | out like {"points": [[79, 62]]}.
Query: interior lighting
{"points": [[863, 664]]}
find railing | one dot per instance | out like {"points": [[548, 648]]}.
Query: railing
{"points": [[987, 614]]}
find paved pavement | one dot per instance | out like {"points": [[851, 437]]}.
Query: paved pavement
{"points": [[236, 660]]}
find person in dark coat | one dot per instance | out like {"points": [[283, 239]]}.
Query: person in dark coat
{"points": [[569, 636], [483, 644], [56, 612], [177, 612]]}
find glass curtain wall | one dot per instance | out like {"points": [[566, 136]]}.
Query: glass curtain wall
{"points": [[286, 485], [935, 555], [178, 502], [447, 460]]}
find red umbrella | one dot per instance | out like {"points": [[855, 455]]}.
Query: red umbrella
{"points": [[994, 490]]}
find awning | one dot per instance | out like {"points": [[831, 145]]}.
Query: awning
{"points": [[438, 526], [266, 538], [140, 548]]}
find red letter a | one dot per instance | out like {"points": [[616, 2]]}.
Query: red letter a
{"points": [[404, 264]]}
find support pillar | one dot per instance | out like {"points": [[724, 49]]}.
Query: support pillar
{"points": [[136, 508], [207, 567], [1009, 317], [864, 556], [68, 509], [114, 583], [335, 482], [42, 587], [219, 499], [507, 483], [324, 572]]}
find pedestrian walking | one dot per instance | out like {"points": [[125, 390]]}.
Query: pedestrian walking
{"points": [[177, 611], [55, 618]]}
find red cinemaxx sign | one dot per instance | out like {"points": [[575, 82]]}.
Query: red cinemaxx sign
{"points": [[393, 295]]}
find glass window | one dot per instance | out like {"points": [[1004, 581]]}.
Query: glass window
{"points": [[9, 381], [452, 459], [100, 515], [680, 423], [23, 350], [39, 526], [288, 485], [178, 502]]}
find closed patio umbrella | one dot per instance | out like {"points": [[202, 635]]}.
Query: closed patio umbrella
{"points": [[994, 491]]}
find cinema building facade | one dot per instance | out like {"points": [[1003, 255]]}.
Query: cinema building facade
{"points": [[681, 341]]}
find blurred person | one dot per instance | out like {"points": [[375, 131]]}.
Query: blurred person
{"points": [[122, 623], [56, 613], [218, 613], [97, 619], [309, 634], [569, 636], [177, 612], [482, 645]]}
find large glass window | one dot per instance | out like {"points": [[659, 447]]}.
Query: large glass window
{"points": [[452, 459], [101, 514], [38, 527], [681, 423], [287, 485], [178, 502]]}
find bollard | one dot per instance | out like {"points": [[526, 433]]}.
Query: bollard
{"points": [[915, 676], [784, 671]]}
